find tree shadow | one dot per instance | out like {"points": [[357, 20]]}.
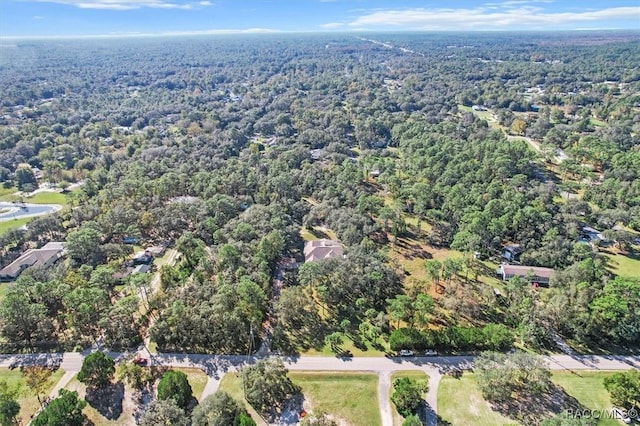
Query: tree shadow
{"points": [[107, 400], [532, 409]]}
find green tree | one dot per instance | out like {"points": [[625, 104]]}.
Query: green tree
{"points": [[175, 385], [219, 409], [135, 375], [97, 370], [500, 375], [400, 308], [334, 340], [65, 410], [407, 395], [616, 311], [83, 245], [9, 407], [165, 413], [37, 378], [624, 388], [26, 179], [267, 385], [24, 321]]}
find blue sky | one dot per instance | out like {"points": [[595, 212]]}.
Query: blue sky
{"points": [[121, 17]]}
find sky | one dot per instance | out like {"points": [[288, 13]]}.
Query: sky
{"points": [[37, 18]]}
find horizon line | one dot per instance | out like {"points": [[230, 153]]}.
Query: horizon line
{"points": [[262, 31]]}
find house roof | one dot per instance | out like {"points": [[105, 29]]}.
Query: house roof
{"points": [[141, 269], [322, 249], [33, 257], [522, 271]]}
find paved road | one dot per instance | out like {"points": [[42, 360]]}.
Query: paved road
{"points": [[386, 413], [217, 365]]}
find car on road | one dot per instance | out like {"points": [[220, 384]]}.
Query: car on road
{"points": [[140, 361], [430, 352], [405, 352]]}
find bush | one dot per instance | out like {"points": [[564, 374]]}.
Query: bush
{"points": [[174, 385], [407, 395], [406, 338]]}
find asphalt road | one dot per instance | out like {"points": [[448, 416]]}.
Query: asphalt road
{"points": [[217, 365]]}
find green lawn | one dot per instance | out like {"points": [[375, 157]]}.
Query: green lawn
{"points": [[7, 191], [587, 387], [13, 224], [48, 198], [45, 197], [461, 404], [27, 400], [352, 397], [419, 376], [625, 266]]}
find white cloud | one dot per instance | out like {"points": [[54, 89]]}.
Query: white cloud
{"points": [[38, 17], [331, 25], [129, 4], [514, 15]]}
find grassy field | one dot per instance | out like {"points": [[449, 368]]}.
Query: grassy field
{"points": [[46, 197], [352, 397], [588, 389], [626, 266], [357, 403], [419, 376], [472, 410], [461, 404], [27, 400], [13, 224]]}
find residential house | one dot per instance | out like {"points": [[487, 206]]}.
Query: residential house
{"points": [[535, 274], [142, 258], [322, 249], [141, 269], [42, 257]]}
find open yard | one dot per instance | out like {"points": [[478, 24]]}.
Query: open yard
{"points": [[352, 397], [588, 388], [626, 265], [28, 400], [460, 403]]}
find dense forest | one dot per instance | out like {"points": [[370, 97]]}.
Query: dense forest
{"points": [[413, 149]]}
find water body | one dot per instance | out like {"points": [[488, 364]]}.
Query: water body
{"points": [[18, 211]]}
